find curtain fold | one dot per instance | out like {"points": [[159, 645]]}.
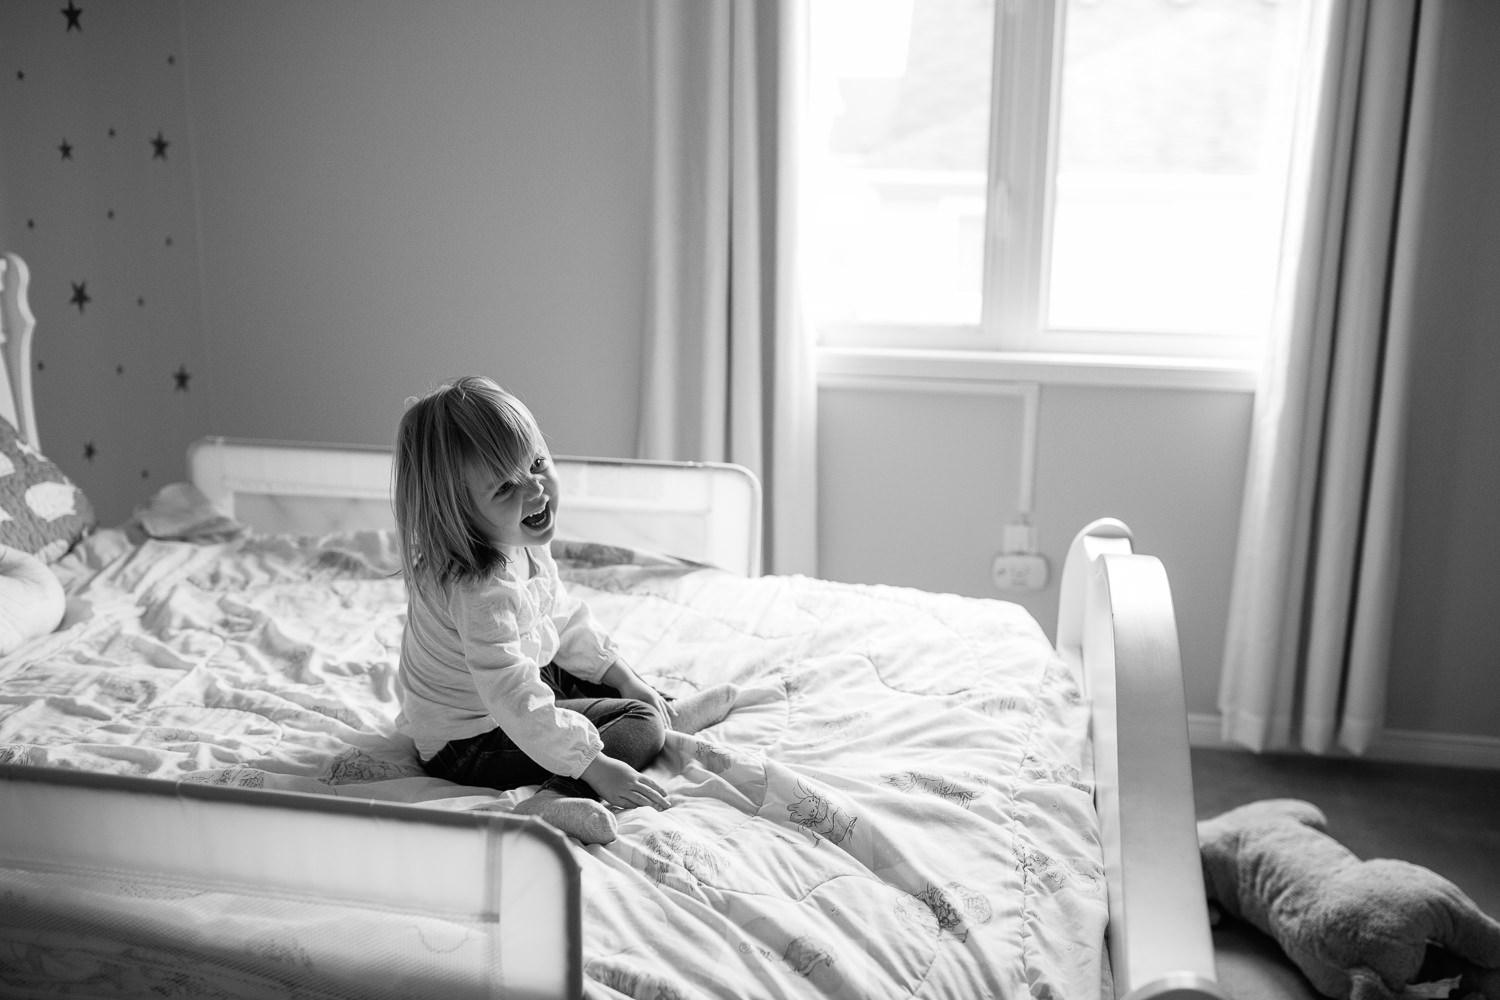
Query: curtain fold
{"points": [[1308, 637], [728, 372]]}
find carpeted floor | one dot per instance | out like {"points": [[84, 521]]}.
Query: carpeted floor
{"points": [[1445, 819]]}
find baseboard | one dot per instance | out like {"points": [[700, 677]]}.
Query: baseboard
{"points": [[1402, 746]]}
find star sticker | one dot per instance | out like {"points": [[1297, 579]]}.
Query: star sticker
{"points": [[159, 144], [66, 149], [72, 12], [80, 294], [89, 451], [20, 74], [181, 376]]}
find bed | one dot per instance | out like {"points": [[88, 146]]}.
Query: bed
{"points": [[202, 793]]}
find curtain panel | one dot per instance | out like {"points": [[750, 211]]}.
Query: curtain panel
{"points": [[729, 371], [1308, 638]]}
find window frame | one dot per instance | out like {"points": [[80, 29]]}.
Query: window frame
{"points": [[1012, 333]]}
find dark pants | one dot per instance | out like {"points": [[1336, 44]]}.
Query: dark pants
{"points": [[631, 730]]}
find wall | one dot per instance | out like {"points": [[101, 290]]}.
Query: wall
{"points": [[96, 196], [1168, 462], [394, 193], [366, 197]]}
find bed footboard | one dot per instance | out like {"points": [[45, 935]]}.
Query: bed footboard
{"points": [[1116, 626], [207, 881]]}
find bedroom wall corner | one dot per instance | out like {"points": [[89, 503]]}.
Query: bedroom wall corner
{"points": [[98, 199]]}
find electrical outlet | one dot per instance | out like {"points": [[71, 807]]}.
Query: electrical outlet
{"points": [[1019, 571]]}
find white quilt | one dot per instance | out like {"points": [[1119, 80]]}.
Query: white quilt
{"points": [[899, 804]]}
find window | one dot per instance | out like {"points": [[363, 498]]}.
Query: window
{"points": [[1103, 177]]}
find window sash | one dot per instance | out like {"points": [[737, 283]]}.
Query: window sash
{"points": [[1025, 113]]}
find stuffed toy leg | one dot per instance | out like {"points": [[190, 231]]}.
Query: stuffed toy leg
{"points": [[1359, 930]]}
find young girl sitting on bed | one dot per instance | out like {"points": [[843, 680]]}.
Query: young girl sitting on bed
{"points": [[506, 680]]}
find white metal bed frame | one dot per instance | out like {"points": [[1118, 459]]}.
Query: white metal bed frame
{"points": [[1116, 627]]}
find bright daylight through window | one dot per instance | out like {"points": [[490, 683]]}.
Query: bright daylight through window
{"points": [[1097, 176]]}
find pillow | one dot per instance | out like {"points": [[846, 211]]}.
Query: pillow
{"points": [[31, 598], [41, 510]]}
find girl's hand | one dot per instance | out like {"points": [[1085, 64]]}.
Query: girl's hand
{"points": [[622, 786], [626, 681]]}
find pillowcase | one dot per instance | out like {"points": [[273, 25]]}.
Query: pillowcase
{"points": [[42, 511], [31, 599]]}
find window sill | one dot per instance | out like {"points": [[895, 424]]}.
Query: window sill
{"points": [[847, 365]]}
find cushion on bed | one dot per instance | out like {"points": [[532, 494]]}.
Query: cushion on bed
{"points": [[42, 511], [31, 598]]}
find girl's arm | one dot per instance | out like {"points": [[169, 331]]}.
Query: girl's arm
{"points": [[623, 678], [622, 786]]}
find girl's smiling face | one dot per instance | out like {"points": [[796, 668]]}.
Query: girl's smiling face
{"points": [[515, 512]]}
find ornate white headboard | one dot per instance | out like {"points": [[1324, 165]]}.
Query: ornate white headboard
{"points": [[16, 326]]}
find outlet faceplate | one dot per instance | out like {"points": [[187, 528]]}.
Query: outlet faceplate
{"points": [[1019, 571]]}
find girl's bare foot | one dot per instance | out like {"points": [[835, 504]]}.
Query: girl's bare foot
{"points": [[589, 821], [703, 708]]}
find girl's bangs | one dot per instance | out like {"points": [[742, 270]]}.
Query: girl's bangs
{"points": [[507, 440]]}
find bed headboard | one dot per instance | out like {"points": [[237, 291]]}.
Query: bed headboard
{"points": [[707, 512], [16, 326]]}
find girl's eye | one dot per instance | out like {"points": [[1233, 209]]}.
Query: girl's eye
{"points": [[539, 463], [504, 488]]}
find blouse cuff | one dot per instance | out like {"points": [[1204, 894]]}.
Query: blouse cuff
{"points": [[596, 747]]}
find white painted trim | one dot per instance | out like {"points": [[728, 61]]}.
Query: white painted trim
{"points": [[1397, 746], [835, 363]]}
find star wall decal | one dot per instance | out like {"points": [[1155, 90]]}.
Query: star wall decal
{"points": [[80, 294], [159, 146], [181, 376], [66, 149], [72, 12], [89, 451]]}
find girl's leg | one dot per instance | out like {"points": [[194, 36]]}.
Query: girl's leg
{"points": [[690, 714], [491, 760], [587, 819], [631, 730], [702, 709]]}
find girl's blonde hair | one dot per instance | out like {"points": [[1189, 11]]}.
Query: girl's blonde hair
{"points": [[469, 423]]}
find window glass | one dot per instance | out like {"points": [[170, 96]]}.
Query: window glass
{"points": [[1113, 182], [898, 194], [1172, 153]]}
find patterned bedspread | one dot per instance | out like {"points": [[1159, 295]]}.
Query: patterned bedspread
{"points": [[898, 805]]}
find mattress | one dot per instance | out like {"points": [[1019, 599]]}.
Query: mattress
{"points": [[899, 804]]}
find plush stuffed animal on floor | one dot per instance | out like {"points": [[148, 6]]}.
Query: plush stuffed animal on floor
{"points": [[1357, 929]]}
